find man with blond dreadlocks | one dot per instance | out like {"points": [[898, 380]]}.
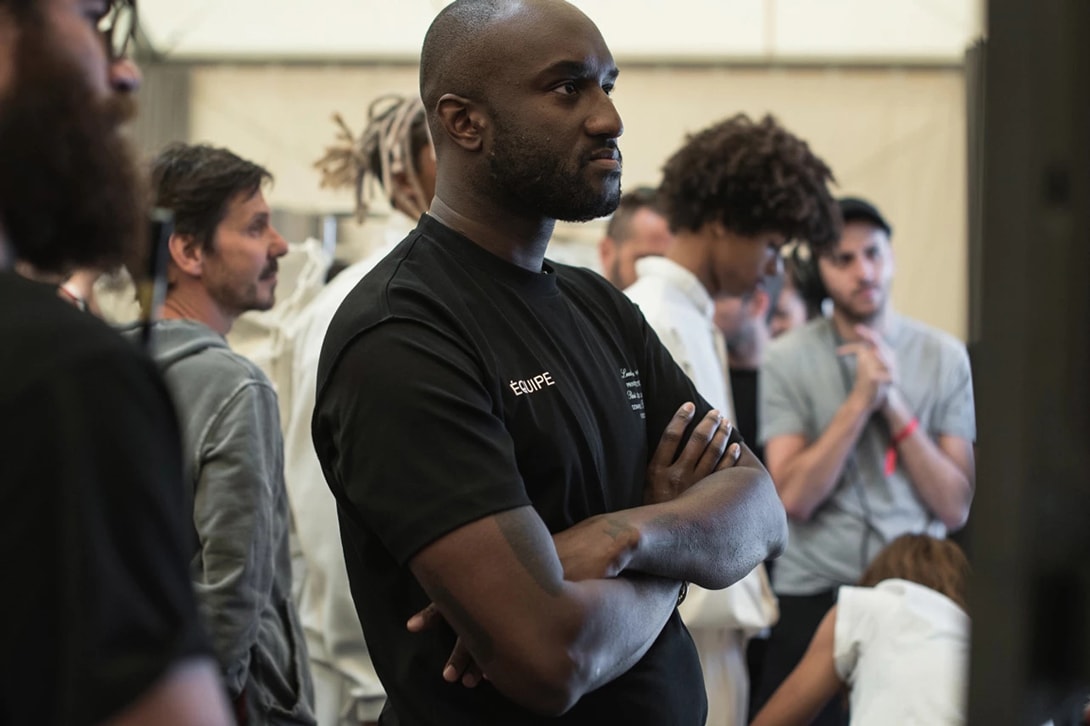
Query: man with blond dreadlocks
{"points": [[393, 156], [394, 152]]}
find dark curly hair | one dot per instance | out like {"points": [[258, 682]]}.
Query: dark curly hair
{"points": [[753, 177]]}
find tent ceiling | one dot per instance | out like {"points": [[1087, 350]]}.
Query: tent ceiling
{"points": [[682, 30]]}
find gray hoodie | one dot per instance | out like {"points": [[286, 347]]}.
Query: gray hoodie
{"points": [[242, 568]]}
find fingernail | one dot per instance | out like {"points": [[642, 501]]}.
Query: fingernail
{"points": [[688, 409], [449, 674]]}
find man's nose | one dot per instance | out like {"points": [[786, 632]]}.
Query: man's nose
{"points": [[605, 119], [125, 76], [279, 246]]}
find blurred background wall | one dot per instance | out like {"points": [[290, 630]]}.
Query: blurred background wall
{"points": [[878, 89]]}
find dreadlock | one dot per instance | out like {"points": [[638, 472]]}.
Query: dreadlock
{"points": [[390, 145]]}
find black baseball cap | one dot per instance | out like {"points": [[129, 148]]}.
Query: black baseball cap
{"points": [[854, 209]]}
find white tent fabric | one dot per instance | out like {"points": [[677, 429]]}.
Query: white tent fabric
{"points": [[704, 30]]}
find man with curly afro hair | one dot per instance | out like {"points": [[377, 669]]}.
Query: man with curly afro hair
{"points": [[733, 195]]}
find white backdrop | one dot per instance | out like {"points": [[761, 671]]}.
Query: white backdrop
{"points": [[896, 136], [920, 30]]}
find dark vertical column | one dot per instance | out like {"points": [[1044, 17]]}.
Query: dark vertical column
{"points": [[1031, 532]]}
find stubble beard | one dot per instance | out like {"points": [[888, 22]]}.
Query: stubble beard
{"points": [[534, 180]]}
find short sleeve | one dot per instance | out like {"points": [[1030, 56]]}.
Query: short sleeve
{"points": [[103, 512], [780, 409], [955, 414], [411, 439], [855, 625]]}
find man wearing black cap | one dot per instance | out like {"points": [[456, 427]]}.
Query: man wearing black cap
{"points": [[867, 421]]}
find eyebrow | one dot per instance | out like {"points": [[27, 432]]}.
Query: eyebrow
{"points": [[576, 69]]}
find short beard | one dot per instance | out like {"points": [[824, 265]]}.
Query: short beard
{"points": [[70, 195], [534, 181], [855, 318]]}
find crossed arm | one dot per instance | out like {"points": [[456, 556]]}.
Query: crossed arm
{"points": [[549, 620]]}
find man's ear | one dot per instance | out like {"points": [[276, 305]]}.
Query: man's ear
{"points": [[187, 254], [607, 252], [462, 121]]}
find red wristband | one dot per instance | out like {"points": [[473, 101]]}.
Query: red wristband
{"points": [[900, 436], [908, 430]]}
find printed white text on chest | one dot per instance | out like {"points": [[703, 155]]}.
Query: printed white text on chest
{"points": [[532, 385]]}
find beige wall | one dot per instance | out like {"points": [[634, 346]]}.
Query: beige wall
{"points": [[896, 136]]}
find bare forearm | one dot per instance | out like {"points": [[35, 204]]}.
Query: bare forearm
{"points": [[809, 686], [945, 487], [806, 480], [542, 640], [943, 479], [189, 694], [714, 533], [942, 486], [625, 616]]}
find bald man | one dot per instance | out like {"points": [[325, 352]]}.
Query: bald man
{"points": [[503, 434]]}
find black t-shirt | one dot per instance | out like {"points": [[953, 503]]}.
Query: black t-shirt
{"points": [[93, 517], [743, 385], [453, 386]]}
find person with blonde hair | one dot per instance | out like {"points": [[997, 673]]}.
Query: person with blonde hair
{"points": [[898, 641], [393, 158]]}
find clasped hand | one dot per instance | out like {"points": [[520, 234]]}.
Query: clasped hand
{"points": [[876, 368]]}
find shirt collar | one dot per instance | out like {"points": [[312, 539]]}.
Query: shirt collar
{"points": [[684, 280]]}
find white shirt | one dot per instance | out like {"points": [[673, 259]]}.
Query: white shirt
{"points": [[329, 619], [679, 309], [903, 649], [682, 313]]}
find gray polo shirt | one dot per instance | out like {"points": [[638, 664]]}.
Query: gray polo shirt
{"points": [[802, 385]]}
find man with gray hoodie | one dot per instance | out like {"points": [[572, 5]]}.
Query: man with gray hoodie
{"points": [[223, 262]]}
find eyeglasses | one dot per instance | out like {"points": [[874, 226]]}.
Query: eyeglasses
{"points": [[118, 28]]}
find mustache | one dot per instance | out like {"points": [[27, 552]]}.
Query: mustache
{"points": [[609, 151], [270, 270], [119, 109]]}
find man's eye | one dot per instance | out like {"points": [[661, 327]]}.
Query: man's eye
{"points": [[97, 14], [608, 88], [568, 88]]}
